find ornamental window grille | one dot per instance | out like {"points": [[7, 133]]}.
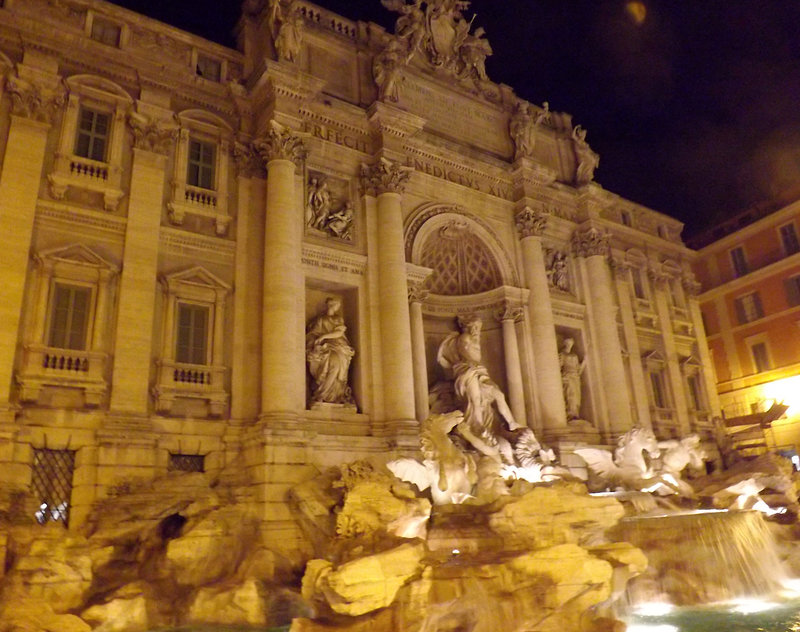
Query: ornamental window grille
{"points": [[789, 239], [461, 262], [92, 136], [52, 484], [201, 164], [69, 316], [192, 340], [186, 463]]}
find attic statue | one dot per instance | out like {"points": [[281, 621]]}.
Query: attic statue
{"points": [[329, 354]]}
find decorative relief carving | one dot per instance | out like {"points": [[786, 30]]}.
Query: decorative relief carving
{"points": [[150, 134], [619, 267], [385, 176], [327, 208], [436, 33], [248, 162], [658, 277], [531, 222], [590, 242], [557, 267], [587, 159], [280, 143], [522, 127], [509, 312], [417, 293], [691, 285], [33, 101]]}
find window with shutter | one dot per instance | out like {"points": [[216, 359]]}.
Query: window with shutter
{"points": [[192, 338], [792, 287], [789, 239], [69, 316], [760, 356], [740, 267], [748, 308]]}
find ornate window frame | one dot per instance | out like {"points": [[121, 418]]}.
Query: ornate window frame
{"points": [[175, 380], [656, 364], [85, 369], [692, 368], [192, 200], [71, 170]]}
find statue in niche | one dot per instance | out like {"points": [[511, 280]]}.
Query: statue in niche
{"points": [[571, 371], [587, 159], [476, 393], [329, 353], [385, 69], [558, 272]]}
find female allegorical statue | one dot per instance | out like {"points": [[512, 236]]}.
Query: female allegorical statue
{"points": [[329, 353]]}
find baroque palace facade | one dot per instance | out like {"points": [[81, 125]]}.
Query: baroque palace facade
{"points": [[175, 214]]}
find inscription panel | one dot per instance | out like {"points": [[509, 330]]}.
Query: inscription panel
{"points": [[457, 117]]}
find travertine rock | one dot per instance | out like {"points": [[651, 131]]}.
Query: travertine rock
{"points": [[242, 605], [549, 516], [118, 615], [366, 584], [34, 615]]}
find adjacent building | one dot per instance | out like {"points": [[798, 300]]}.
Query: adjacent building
{"points": [[174, 213], [749, 269]]}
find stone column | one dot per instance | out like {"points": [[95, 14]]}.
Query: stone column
{"points": [[137, 287], [692, 289], [531, 225], [282, 351], [593, 246], [386, 180], [33, 105], [676, 386], [416, 296], [508, 316]]}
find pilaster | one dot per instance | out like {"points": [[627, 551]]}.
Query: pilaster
{"points": [[416, 296]]}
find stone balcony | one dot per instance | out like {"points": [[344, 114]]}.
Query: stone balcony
{"points": [[84, 173], [178, 380], [63, 368]]}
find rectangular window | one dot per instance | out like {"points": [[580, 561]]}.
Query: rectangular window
{"points": [[638, 285], [695, 392], [92, 136], [748, 308], [760, 357], [792, 287], [186, 463], [789, 239], [52, 484], [626, 218], [69, 316], [659, 392], [201, 164], [105, 32], [192, 338], [740, 267], [208, 68]]}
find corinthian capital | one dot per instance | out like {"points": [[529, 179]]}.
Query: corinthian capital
{"points": [[417, 293], [150, 134], [691, 285], [589, 242], [280, 143], [385, 176], [531, 222], [247, 161], [33, 101], [508, 312]]}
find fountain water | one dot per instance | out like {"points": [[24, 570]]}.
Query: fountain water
{"points": [[702, 557]]}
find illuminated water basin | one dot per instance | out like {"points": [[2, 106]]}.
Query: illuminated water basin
{"points": [[742, 616]]}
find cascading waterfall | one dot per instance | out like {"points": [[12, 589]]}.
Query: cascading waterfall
{"points": [[702, 557]]}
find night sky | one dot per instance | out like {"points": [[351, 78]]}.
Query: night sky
{"points": [[693, 106]]}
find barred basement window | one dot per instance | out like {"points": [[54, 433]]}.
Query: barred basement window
{"points": [[186, 463], [52, 484], [92, 135]]}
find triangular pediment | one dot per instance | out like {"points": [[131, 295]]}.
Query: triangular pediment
{"points": [[691, 362], [77, 254], [654, 357], [197, 275]]}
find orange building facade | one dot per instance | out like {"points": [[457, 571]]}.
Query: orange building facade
{"points": [[749, 270]]}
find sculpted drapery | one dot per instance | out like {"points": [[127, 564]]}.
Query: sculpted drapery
{"points": [[329, 353]]}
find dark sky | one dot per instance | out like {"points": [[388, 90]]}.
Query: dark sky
{"points": [[693, 105]]}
